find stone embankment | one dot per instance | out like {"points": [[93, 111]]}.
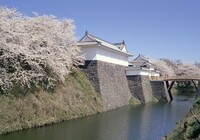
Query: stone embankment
{"points": [[110, 81], [116, 89]]}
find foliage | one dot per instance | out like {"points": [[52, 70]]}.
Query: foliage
{"points": [[188, 69], [166, 68], [185, 87], [193, 130], [81, 82], [186, 84], [68, 101], [197, 64], [189, 127], [177, 68], [196, 103], [35, 51]]}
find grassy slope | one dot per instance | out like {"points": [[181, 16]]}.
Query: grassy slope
{"points": [[74, 98], [189, 127]]}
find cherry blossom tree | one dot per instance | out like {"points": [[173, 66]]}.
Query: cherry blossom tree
{"points": [[188, 70], [38, 50], [166, 68], [177, 68]]}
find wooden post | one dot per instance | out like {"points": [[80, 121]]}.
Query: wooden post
{"points": [[169, 89], [194, 84], [170, 86]]}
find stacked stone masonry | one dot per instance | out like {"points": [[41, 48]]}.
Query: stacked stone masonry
{"points": [[198, 88], [140, 88], [91, 70], [159, 91], [145, 90], [135, 86], [110, 81]]}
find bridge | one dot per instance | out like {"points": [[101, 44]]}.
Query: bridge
{"points": [[169, 82]]}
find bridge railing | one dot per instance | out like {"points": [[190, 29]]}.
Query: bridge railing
{"points": [[182, 78], [161, 78], [155, 78]]}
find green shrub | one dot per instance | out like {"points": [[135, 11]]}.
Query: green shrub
{"points": [[197, 102], [193, 130]]}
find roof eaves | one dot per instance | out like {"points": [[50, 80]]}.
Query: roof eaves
{"points": [[143, 57], [91, 37], [94, 38], [117, 50]]}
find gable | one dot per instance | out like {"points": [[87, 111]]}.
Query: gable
{"points": [[141, 58], [121, 46], [86, 38], [89, 40], [124, 49]]}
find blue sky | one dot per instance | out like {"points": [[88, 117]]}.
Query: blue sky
{"points": [[156, 28]]}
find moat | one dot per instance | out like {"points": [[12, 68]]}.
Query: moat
{"points": [[151, 121]]}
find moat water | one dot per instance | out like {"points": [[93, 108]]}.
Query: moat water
{"points": [[142, 122]]}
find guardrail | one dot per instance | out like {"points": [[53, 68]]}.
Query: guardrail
{"points": [[153, 78]]}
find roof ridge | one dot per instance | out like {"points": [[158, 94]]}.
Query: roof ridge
{"points": [[142, 56], [114, 45], [100, 39], [118, 43], [105, 43]]}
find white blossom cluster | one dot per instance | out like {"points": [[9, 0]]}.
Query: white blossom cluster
{"points": [[174, 69], [35, 50], [188, 70], [165, 68]]}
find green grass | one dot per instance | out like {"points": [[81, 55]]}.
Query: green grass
{"points": [[134, 101], [73, 98], [154, 99], [81, 82], [189, 127]]}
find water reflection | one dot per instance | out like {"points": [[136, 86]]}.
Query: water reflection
{"points": [[114, 125], [143, 122]]}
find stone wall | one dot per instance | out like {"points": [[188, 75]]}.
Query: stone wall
{"points": [[135, 86], [110, 81], [159, 91], [145, 90], [91, 71], [140, 88], [198, 92], [116, 89]]}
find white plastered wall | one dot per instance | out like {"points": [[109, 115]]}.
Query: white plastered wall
{"points": [[104, 55]]}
